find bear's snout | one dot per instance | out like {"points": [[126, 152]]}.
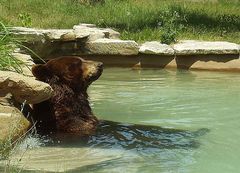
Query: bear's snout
{"points": [[100, 65], [92, 70]]}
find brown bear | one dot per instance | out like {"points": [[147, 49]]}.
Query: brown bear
{"points": [[68, 109]]}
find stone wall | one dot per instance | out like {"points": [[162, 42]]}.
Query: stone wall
{"points": [[104, 44]]}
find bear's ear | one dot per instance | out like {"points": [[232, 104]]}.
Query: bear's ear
{"points": [[41, 72]]}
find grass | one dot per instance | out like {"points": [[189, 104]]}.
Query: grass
{"points": [[139, 20], [9, 147], [7, 47], [10, 142], [10, 63]]}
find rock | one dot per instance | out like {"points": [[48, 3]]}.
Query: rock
{"points": [[59, 34], [73, 159], [92, 32], [108, 32], [54, 42], [35, 35], [95, 36], [112, 47], [111, 34], [156, 48], [70, 36], [24, 88], [43, 35], [28, 34], [191, 47], [81, 35], [95, 33], [12, 122]]}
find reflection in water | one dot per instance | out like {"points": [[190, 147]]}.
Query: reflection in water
{"points": [[111, 134], [112, 147]]}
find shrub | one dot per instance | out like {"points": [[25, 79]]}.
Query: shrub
{"points": [[171, 24], [168, 36], [25, 19]]}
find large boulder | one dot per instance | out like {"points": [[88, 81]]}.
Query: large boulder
{"points": [[24, 88], [156, 48], [112, 47], [12, 122], [191, 47]]}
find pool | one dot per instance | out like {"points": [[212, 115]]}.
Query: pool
{"points": [[170, 99]]}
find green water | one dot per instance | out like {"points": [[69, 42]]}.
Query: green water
{"points": [[177, 99], [188, 100]]}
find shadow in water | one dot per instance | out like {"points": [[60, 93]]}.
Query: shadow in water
{"points": [[111, 134], [111, 149]]}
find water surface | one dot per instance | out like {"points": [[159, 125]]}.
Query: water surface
{"points": [[187, 100]]}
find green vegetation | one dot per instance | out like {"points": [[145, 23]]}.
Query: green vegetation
{"points": [[8, 148], [7, 47], [140, 20], [8, 44], [25, 19], [15, 141]]}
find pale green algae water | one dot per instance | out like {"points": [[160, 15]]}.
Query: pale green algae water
{"points": [[188, 100]]}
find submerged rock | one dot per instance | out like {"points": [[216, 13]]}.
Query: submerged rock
{"points": [[74, 159], [24, 88]]}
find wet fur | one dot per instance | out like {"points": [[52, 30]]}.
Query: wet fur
{"points": [[68, 109]]}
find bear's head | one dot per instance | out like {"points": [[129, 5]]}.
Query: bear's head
{"points": [[70, 70], [68, 109]]}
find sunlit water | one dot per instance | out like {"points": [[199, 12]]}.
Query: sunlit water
{"points": [[187, 100]]}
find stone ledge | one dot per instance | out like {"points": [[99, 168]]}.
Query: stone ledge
{"points": [[197, 62], [192, 47], [112, 47], [156, 48], [85, 39], [91, 32]]}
